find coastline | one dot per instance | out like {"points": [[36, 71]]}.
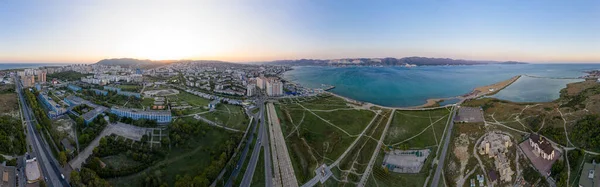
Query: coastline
{"points": [[431, 103]]}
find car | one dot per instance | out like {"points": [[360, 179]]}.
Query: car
{"points": [[63, 176], [258, 142]]}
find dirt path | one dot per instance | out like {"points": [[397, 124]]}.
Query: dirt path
{"points": [[430, 125], [327, 121], [565, 127]]}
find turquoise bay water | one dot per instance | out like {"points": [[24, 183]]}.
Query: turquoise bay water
{"points": [[398, 86], [27, 65]]}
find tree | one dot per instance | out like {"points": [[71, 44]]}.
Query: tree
{"points": [[42, 183], [62, 158]]}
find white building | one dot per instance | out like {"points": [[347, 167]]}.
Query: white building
{"points": [[251, 90], [541, 147], [274, 87]]}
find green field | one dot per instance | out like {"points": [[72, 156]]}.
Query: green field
{"points": [[120, 161], [258, 179], [358, 158], [418, 126], [130, 87], [228, 115], [313, 141], [191, 99]]}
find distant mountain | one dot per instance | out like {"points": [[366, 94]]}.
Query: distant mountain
{"points": [[129, 62], [407, 61]]}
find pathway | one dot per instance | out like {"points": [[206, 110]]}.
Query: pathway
{"points": [[365, 176], [120, 129]]}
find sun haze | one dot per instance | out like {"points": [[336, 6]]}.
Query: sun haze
{"points": [[241, 31]]}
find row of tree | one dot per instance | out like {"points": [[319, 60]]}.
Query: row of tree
{"points": [[67, 76], [87, 177]]}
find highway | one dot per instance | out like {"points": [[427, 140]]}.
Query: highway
{"points": [[48, 165], [442, 158], [264, 144], [242, 159], [249, 174]]}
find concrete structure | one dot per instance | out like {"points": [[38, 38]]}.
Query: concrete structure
{"points": [[55, 108], [41, 76], [261, 82], [74, 88], [32, 170], [8, 174], [274, 87], [541, 164], [405, 161], [67, 145], [541, 147], [165, 92], [496, 145], [110, 88], [213, 104], [469, 115], [74, 100], [100, 92], [590, 175], [250, 89], [28, 81], [120, 92], [92, 114], [161, 116]]}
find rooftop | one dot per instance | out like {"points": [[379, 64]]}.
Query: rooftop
{"points": [[152, 112], [32, 170]]}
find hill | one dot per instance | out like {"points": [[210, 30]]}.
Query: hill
{"points": [[419, 61], [131, 62]]}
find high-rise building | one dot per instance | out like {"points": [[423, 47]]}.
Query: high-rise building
{"points": [[274, 87], [41, 76], [28, 81], [250, 89], [261, 82]]}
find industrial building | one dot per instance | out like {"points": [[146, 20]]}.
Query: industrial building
{"points": [[55, 108], [161, 116]]}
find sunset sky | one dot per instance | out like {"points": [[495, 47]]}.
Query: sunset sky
{"points": [[257, 30]]}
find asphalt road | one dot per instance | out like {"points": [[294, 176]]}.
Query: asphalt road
{"points": [[264, 143], [440, 166], [242, 159], [48, 164], [249, 174]]}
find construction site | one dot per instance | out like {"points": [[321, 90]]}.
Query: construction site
{"points": [[405, 161], [496, 146]]}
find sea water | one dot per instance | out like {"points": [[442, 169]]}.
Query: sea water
{"points": [[400, 86]]}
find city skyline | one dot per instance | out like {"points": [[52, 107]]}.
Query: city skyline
{"points": [[244, 31]]}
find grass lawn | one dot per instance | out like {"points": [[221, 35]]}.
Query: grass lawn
{"points": [[322, 102], [130, 88], [312, 141], [352, 121], [119, 161], [192, 100], [9, 103], [189, 159], [407, 124], [147, 102], [360, 155], [228, 115], [258, 179]]}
